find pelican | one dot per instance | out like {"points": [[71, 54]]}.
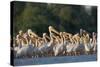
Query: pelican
{"points": [[76, 42], [46, 46], [32, 36], [58, 48], [51, 29], [86, 42], [19, 38], [69, 46], [67, 43], [93, 42], [24, 40], [31, 33], [46, 38]]}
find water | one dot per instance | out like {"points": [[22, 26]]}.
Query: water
{"points": [[52, 60]]}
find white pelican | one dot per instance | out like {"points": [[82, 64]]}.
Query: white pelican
{"points": [[59, 47], [46, 46], [76, 39], [69, 46], [51, 29], [86, 42], [93, 42]]}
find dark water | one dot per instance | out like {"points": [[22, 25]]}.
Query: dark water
{"points": [[52, 60]]}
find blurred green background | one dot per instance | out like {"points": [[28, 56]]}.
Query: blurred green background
{"points": [[64, 17]]}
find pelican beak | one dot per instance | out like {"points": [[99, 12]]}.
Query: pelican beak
{"points": [[51, 29]]}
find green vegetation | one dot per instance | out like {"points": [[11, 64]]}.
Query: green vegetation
{"points": [[38, 16]]}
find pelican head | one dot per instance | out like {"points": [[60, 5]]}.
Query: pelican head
{"points": [[93, 33], [29, 30], [84, 31], [81, 30], [50, 27], [20, 32], [17, 37], [44, 34], [61, 33]]}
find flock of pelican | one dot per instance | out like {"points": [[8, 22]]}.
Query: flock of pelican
{"points": [[29, 44]]}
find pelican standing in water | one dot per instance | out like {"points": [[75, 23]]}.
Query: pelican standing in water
{"points": [[59, 47], [76, 39], [69, 46], [21, 41], [93, 42], [86, 42]]}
